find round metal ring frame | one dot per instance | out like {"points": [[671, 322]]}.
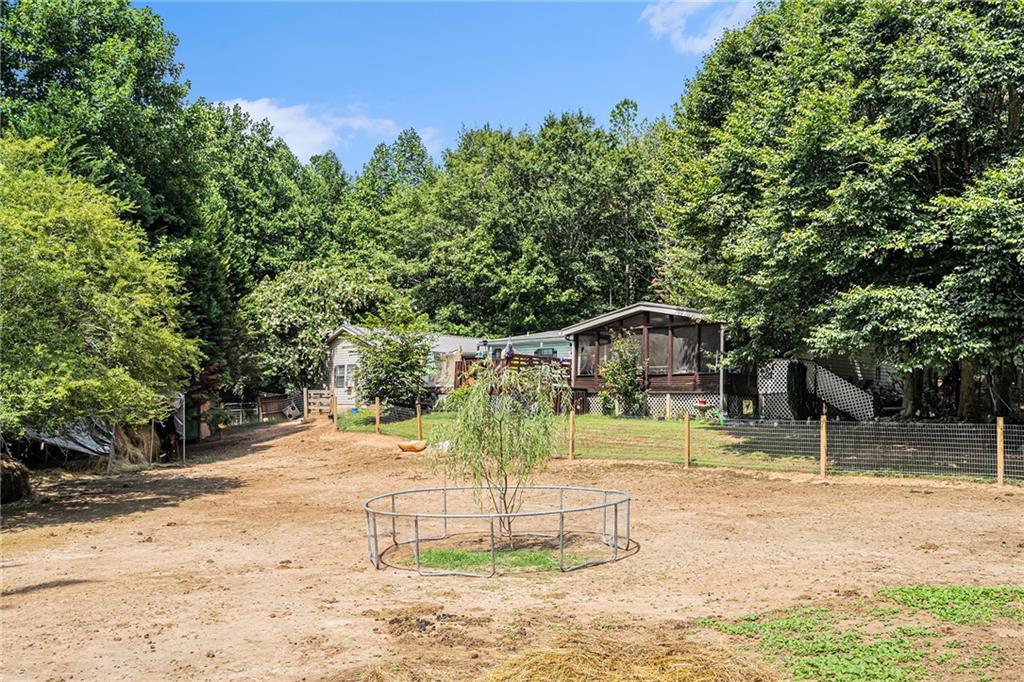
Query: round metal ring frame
{"points": [[616, 536]]}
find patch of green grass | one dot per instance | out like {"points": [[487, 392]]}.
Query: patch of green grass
{"points": [[604, 437], [980, 662], [963, 605], [812, 647], [449, 559], [876, 641], [363, 422]]}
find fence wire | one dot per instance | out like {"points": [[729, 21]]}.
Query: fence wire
{"points": [[913, 448], [787, 445], [908, 448], [1013, 447]]}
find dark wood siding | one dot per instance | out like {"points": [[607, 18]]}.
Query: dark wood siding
{"points": [[736, 383]]}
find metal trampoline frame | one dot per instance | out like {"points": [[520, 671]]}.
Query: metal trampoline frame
{"points": [[618, 539]]}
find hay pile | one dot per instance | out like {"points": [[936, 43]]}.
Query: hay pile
{"points": [[584, 657]]}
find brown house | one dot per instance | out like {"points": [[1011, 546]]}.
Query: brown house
{"points": [[680, 348]]}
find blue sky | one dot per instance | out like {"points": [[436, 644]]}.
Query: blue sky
{"points": [[346, 76]]}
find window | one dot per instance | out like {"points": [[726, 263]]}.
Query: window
{"points": [[604, 347], [657, 352], [684, 350], [344, 376], [709, 347], [586, 360]]}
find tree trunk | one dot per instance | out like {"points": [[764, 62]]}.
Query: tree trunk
{"points": [[912, 392], [14, 483], [1001, 393], [969, 405]]}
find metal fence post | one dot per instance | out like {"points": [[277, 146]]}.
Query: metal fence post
{"points": [[305, 404], [1000, 452], [823, 458], [394, 523], [416, 540]]}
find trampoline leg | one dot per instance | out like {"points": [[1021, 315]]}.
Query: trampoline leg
{"points": [[494, 553], [615, 544], [394, 532], [561, 540], [416, 541]]}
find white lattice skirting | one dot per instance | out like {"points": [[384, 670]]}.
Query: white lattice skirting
{"points": [[670, 405]]}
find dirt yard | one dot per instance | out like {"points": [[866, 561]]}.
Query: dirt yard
{"points": [[252, 562]]}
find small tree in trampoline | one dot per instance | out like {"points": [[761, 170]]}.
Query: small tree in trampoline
{"points": [[504, 430]]}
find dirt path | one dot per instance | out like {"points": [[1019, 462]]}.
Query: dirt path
{"points": [[254, 565]]}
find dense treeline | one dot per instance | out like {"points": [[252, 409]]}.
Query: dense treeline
{"points": [[848, 175], [512, 232], [839, 176]]}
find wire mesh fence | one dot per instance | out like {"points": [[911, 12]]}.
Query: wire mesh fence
{"points": [[242, 413], [1013, 448], [890, 448], [913, 448]]}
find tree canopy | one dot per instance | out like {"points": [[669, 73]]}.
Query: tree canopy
{"points": [[840, 175], [89, 322], [844, 175]]}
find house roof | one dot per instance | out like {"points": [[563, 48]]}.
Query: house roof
{"points": [[551, 335], [441, 343], [346, 328], [642, 307], [449, 343]]}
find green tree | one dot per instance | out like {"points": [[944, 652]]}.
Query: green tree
{"points": [[823, 184], [504, 431], [535, 229], [100, 78], [288, 317], [88, 321], [394, 355], [623, 375]]}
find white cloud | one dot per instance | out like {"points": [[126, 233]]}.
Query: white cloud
{"points": [[311, 130], [432, 140], [690, 33]]}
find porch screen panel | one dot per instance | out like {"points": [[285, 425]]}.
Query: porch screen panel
{"points": [[710, 344], [586, 363], [684, 350], [604, 347], [657, 347]]}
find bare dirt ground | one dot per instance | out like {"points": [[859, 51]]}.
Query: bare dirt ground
{"points": [[253, 565]]}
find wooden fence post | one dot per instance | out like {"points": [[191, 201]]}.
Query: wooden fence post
{"points": [[686, 439], [419, 421], [305, 404], [823, 458], [376, 415], [668, 406], [1000, 452], [572, 432]]}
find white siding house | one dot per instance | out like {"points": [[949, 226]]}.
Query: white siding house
{"points": [[343, 358]]}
